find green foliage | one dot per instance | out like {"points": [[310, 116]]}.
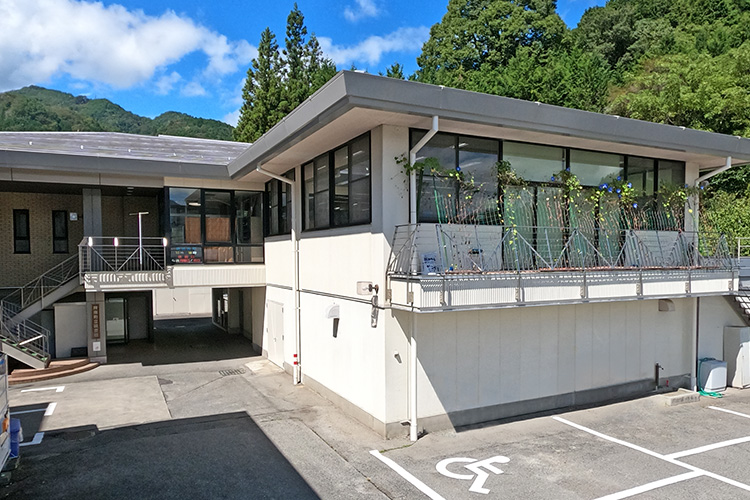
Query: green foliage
{"points": [[480, 35], [691, 91], [39, 109], [728, 214], [277, 82], [395, 70], [261, 94]]}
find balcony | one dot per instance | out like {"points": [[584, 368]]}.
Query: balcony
{"points": [[436, 267], [121, 264]]}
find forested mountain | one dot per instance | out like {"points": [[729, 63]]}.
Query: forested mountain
{"points": [[39, 109]]}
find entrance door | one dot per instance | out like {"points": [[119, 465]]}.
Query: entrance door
{"points": [[115, 315], [275, 332]]}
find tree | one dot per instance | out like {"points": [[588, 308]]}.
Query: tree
{"points": [[319, 69], [395, 70], [479, 35], [261, 93], [296, 86]]}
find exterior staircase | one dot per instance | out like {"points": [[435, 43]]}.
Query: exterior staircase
{"points": [[741, 303], [21, 338]]}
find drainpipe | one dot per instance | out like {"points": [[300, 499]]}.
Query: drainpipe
{"points": [[413, 175], [413, 372], [719, 170], [297, 374]]}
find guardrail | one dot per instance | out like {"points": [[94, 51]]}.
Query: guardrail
{"points": [[444, 249], [43, 285], [116, 254]]}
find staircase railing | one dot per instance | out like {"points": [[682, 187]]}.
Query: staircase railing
{"points": [[117, 254], [43, 285], [23, 335]]}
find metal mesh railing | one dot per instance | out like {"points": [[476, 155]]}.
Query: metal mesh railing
{"points": [[114, 254], [475, 249]]}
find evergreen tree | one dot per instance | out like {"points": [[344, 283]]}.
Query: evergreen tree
{"points": [[261, 93], [319, 69], [296, 78], [395, 70]]}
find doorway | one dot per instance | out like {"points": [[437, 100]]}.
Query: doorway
{"points": [[116, 320]]}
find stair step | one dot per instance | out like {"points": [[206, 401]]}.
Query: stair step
{"points": [[43, 374], [54, 366]]}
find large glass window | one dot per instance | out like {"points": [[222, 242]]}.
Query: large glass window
{"points": [[337, 184], [671, 173], [215, 226], [279, 199], [593, 168], [641, 174], [532, 162]]}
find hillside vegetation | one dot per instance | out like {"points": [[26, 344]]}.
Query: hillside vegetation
{"points": [[39, 109]]}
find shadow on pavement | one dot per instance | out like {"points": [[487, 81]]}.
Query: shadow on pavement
{"points": [[188, 340], [220, 456]]}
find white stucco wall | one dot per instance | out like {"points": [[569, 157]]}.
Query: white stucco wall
{"points": [[715, 314], [475, 359], [185, 301], [70, 327]]}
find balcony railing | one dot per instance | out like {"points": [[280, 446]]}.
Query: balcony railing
{"points": [[457, 249], [117, 260]]}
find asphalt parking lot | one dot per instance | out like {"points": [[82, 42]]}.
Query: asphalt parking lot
{"points": [[238, 428], [635, 449]]}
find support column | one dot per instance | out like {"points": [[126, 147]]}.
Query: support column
{"points": [[92, 212], [96, 333]]}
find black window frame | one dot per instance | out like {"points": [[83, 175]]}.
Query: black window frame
{"points": [[331, 187], [60, 238], [283, 207], [204, 242], [27, 228]]}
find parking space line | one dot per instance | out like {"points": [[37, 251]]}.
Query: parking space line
{"points": [[37, 440], [709, 447], [56, 389], [655, 454], [729, 411], [406, 475], [651, 486]]}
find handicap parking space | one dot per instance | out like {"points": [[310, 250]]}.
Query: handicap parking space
{"points": [[635, 449]]}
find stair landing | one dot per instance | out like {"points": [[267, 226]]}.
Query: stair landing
{"points": [[55, 369]]}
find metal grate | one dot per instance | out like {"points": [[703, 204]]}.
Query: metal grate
{"points": [[236, 371]]}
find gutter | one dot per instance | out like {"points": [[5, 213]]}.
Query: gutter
{"points": [[297, 374], [712, 173]]}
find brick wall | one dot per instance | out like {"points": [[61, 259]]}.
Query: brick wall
{"points": [[19, 269]]}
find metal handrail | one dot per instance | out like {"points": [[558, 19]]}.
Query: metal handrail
{"points": [[477, 249], [114, 254], [26, 334], [743, 246], [44, 284]]}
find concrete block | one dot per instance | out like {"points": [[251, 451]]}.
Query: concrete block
{"points": [[680, 396]]}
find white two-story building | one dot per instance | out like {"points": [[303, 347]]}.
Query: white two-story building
{"points": [[507, 277]]}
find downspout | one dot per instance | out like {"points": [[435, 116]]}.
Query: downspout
{"points": [[413, 372], [297, 374], [719, 170]]}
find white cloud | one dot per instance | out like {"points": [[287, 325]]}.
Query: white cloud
{"points": [[165, 83], [232, 118], [371, 50], [364, 9], [112, 45], [193, 89]]}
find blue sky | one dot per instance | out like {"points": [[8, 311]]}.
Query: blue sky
{"points": [[152, 56]]}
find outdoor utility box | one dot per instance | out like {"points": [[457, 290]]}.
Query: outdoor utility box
{"points": [[737, 355], [713, 375]]}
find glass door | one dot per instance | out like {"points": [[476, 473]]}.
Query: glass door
{"points": [[115, 315]]}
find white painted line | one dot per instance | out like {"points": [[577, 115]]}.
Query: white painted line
{"points": [[37, 440], [654, 454], [729, 411], [56, 389], [406, 475], [50, 409], [709, 447], [13, 413], [651, 486]]}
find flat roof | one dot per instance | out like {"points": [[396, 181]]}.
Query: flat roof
{"points": [[352, 103]]}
